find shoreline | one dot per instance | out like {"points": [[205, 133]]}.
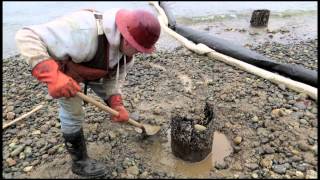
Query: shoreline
{"points": [[284, 29], [270, 119]]}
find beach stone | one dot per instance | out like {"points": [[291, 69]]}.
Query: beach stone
{"points": [[28, 151], [22, 155], [112, 135], [133, 170], [28, 142], [44, 128], [299, 174], [282, 87], [303, 121], [280, 169], [10, 108], [255, 119], [237, 140], [303, 146], [254, 175], [13, 145], [114, 173], [300, 105], [221, 165], [35, 162], [36, 132], [28, 168], [10, 115], [268, 149], [17, 150], [252, 166], [144, 175], [311, 174], [266, 163], [11, 162]]}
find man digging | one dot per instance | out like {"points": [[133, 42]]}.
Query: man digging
{"points": [[89, 47]]}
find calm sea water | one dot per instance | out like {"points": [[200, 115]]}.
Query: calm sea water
{"points": [[19, 14]]}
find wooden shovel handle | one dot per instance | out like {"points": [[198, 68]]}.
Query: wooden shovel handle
{"points": [[105, 108]]}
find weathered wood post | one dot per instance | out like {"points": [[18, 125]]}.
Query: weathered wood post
{"points": [[186, 142], [260, 18]]}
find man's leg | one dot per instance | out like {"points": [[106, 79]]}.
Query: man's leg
{"points": [[71, 116]]}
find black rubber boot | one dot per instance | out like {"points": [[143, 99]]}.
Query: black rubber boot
{"points": [[82, 165]]}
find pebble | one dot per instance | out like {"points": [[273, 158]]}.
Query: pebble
{"points": [[27, 169], [252, 166], [268, 149], [266, 163], [314, 110], [22, 155], [303, 121], [60, 150], [221, 165], [44, 128], [11, 162], [144, 175], [282, 87], [45, 156], [133, 170], [52, 150], [112, 135], [260, 112], [28, 142], [36, 132], [255, 119], [10, 115], [114, 173], [254, 175], [237, 140], [12, 145], [236, 149], [311, 174], [300, 105], [48, 97], [126, 162], [10, 108], [299, 174], [17, 150], [303, 146], [280, 169], [35, 162], [28, 151]]}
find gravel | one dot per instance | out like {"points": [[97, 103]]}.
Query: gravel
{"points": [[274, 128]]}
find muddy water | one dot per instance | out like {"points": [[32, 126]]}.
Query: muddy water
{"points": [[165, 160]]}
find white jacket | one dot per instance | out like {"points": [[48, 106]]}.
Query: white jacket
{"points": [[74, 35]]}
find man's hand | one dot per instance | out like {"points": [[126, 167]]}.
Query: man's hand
{"points": [[59, 84], [115, 102]]}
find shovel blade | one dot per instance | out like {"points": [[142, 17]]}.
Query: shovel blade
{"points": [[151, 130]]}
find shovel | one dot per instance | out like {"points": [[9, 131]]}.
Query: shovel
{"points": [[146, 129]]}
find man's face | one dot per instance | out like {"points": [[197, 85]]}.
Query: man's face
{"points": [[127, 49]]}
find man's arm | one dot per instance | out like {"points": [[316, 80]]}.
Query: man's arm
{"points": [[31, 47]]}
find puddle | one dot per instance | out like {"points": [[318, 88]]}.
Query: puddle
{"points": [[165, 160]]}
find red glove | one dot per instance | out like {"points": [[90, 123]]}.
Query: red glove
{"points": [[59, 84], [115, 102]]}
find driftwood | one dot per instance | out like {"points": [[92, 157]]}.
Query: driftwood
{"points": [[22, 117], [203, 49], [260, 18]]}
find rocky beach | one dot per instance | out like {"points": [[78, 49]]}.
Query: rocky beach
{"points": [[272, 130]]}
